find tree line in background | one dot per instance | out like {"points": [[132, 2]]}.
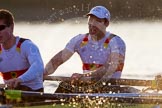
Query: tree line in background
{"points": [[58, 10]]}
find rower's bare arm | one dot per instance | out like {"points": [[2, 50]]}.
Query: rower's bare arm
{"points": [[109, 68], [116, 60], [57, 60]]}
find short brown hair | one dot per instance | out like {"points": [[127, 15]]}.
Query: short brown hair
{"points": [[7, 16]]}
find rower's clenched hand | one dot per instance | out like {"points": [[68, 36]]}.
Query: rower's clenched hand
{"points": [[158, 79], [80, 77], [13, 83], [76, 76]]}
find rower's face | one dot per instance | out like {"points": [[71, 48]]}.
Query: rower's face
{"points": [[96, 25], [5, 32]]}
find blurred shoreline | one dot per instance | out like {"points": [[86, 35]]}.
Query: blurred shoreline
{"points": [[53, 11]]}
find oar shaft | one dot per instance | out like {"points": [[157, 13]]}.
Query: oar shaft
{"points": [[131, 82], [67, 95], [118, 97], [122, 81], [57, 78]]}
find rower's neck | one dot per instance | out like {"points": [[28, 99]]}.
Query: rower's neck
{"points": [[9, 43], [97, 37]]}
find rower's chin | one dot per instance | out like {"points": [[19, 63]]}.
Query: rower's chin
{"points": [[92, 33]]}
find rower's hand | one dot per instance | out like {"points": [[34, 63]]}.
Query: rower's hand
{"points": [[158, 78], [13, 83], [74, 80], [80, 77], [76, 76]]}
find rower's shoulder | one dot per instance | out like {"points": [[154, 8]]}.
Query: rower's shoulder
{"points": [[79, 37], [82, 35], [115, 37]]}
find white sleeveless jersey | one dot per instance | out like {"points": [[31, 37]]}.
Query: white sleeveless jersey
{"points": [[95, 51], [28, 58]]}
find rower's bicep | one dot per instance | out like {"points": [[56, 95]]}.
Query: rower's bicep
{"points": [[66, 54], [117, 45]]}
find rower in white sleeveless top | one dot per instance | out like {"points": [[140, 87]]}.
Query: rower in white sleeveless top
{"points": [[102, 52]]}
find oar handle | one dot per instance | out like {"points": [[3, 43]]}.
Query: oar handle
{"points": [[56, 78]]}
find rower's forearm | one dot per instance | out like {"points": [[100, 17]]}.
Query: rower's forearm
{"points": [[108, 72], [98, 74], [52, 65], [103, 72], [95, 74], [50, 68]]}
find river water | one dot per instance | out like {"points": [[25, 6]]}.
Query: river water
{"points": [[142, 38]]}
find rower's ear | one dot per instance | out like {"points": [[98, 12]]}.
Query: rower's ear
{"points": [[12, 27], [106, 23]]}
